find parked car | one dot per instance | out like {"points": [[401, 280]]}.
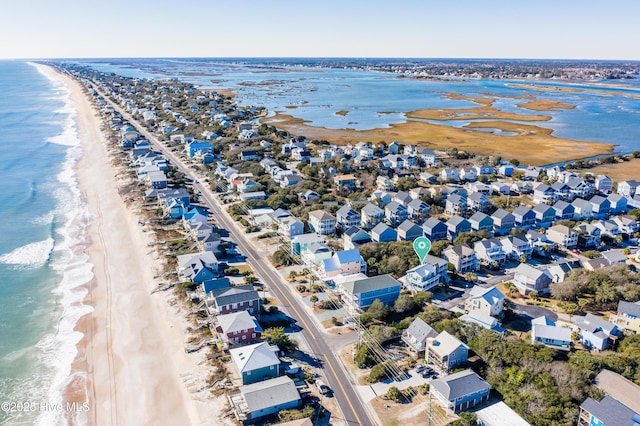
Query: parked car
{"points": [[324, 389]]}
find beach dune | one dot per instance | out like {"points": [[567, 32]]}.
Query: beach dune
{"points": [[131, 358]]}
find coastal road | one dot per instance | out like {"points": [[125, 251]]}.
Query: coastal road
{"points": [[353, 410]]}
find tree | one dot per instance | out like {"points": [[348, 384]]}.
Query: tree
{"points": [[438, 247], [471, 277], [313, 299], [422, 297], [466, 419], [277, 336], [404, 303], [393, 393], [533, 294], [378, 310]]}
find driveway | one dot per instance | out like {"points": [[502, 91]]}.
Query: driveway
{"points": [[533, 311]]}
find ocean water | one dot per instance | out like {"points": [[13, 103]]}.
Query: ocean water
{"points": [[42, 243], [377, 100]]}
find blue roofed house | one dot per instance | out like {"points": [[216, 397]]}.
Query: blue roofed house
{"points": [[489, 301], [416, 335], [545, 332], [197, 267], [446, 352], [382, 233], [359, 293], [485, 321], [257, 362], [435, 229], [347, 217], [456, 225], [371, 216], [198, 148], [395, 213], [503, 222], [409, 231], [460, 391], [354, 237], [345, 262], [596, 333]]}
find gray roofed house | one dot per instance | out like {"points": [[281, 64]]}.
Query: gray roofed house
{"points": [[607, 412], [347, 217], [256, 362], [628, 316], [395, 213], [416, 335], [418, 209], [560, 271], [595, 332], [262, 399], [544, 331], [564, 210], [545, 215], [460, 391], [481, 222], [435, 229], [478, 201], [409, 231], [360, 293], [528, 279], [489, 251], [456, 203], [446, 352], [525, 217], [234, 299], [619, 387], [371, 216], [456, 225], [503, 222], [383, 233], [463, 258]]}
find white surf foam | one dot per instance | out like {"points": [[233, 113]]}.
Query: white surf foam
{"points": [[32, 255]]}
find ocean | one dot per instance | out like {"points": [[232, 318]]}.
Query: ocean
{"points": [[42, 243]]}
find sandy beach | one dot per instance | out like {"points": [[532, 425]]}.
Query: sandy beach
{"points": [[131, 365]]}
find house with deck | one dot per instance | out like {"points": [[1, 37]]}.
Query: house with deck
{"points": [[596, 333], [627, 316], [371, 216], [503, 222], [446, 352], [322, 222], [460, 391], [528, 279], [435, 229], [260, 400], [489, 301], [524, 216], [347, 217], [545, 332], [462, 257], [359, 293], [257, 362], [238, 328], [417, 335]]}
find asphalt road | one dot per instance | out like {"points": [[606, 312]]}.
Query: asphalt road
{"points": [[353, 411]]}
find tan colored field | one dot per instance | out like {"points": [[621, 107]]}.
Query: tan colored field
{"points": [[342, 112], [624, 170], [226, 93], [544, 88], [545, 105], [532, 145]]}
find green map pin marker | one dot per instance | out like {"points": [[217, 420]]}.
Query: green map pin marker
{"points": [[422, 245]]}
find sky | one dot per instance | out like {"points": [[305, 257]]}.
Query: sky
{"points": [[548, 29]]}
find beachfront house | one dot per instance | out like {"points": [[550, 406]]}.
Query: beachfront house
{"points": [[258, 400], [197, 267], [233, 299], [239, 328], [257, 362]]}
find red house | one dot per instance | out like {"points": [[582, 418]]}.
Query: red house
{"points": [[238, 328]]}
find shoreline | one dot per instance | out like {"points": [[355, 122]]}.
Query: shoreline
{"points": [[130, 364]]}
